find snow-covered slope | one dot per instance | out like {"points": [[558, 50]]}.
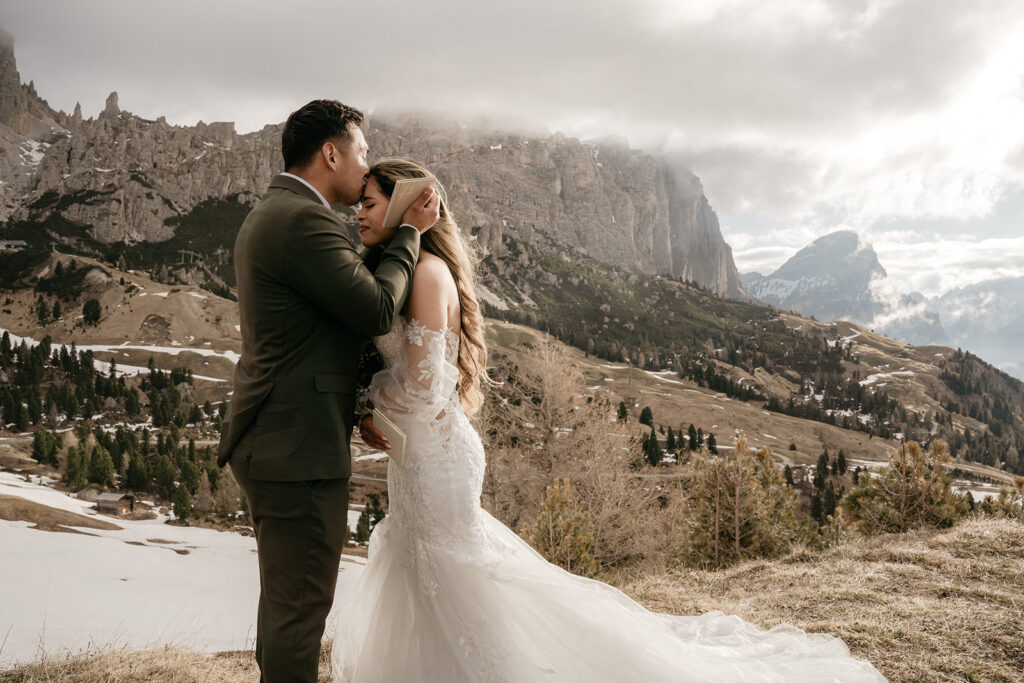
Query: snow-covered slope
{"points": [[145, 584]]}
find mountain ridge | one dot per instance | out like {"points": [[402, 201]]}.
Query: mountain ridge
{"points": [[119, 178]]}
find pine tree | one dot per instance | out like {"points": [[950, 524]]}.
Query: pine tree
{"points": [[740, 508], [647, 417], [913, 490], [182, 502], [42, 311], [101, 467], [691, 433], [137, 478], [190, 475], [131, 402], [56, 310], [712, 444], [561, 532], [228, 498], [1010, 502], [75, 468], [821, 471], [670, 441], [374, 508], [91, 311], [363, 527], [817, 507], [788, 473], [164, 474], [652, 451], [204, 495], [44, 446], [828, 506], [623, 413], [841, 461]]}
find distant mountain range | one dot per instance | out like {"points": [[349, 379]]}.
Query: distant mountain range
{"points": [[839, 277]]}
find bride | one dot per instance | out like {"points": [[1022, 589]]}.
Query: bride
{"points": [[449, 593]]}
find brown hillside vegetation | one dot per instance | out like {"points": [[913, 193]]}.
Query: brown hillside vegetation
{"points": [[927, 606]]}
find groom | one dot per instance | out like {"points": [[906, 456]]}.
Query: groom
{"points": [[306, 302]]}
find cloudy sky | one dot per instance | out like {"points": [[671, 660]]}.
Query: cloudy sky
{"points": [[901, 119]]}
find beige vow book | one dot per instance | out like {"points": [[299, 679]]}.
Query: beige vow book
{"points": [[394, 435], [405, 193]]}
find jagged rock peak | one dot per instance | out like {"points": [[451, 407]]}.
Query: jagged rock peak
{"points": [[13, 102], [111, 108], [837, 254]]}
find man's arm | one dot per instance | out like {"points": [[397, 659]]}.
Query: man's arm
{"points": [[322, 264]]}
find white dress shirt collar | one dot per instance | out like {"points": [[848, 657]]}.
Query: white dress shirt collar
{"points": [[306, 183]]}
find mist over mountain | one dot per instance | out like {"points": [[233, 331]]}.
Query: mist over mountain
{"points": [[839, 277], [988, 319], [829, 279], [119, 179]]}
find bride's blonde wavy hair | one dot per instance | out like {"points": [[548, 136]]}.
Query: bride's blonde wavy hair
{"points": [[446, 241]]}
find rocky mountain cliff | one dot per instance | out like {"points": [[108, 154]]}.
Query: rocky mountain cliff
{"points": [[119, 178]]}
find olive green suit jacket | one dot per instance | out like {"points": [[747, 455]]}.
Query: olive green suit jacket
{"points": [[306, 301]]}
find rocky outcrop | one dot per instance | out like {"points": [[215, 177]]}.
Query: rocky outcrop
{"points": [[615, 204], [124, 178]]}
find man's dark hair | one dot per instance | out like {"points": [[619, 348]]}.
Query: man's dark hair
{"points": [[308, 128]]}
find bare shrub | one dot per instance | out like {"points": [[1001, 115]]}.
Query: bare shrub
{"points": [[540, 425]]}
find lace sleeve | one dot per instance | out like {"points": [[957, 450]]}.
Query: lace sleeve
{"points": [[421, 386]]}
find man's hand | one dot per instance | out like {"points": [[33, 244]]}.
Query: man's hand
{"points": [[373, 437], [423, 212]]}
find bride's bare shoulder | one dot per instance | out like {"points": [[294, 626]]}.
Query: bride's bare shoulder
{"points": [[432, 271]]}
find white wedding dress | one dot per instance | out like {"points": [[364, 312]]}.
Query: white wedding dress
{"points": [[451, 594]]}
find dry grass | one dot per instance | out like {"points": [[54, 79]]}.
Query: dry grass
{"points": [[924, 606], [167, 665], [13, 508], [159, 665]]}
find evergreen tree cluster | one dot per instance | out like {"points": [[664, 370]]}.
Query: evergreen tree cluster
{"points": [[46, 382], [825, 494], [842, 402]]}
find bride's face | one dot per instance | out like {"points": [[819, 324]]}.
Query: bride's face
{"points": [[374, 204]]}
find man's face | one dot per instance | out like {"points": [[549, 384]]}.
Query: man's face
{"points": [[350, 169]]}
